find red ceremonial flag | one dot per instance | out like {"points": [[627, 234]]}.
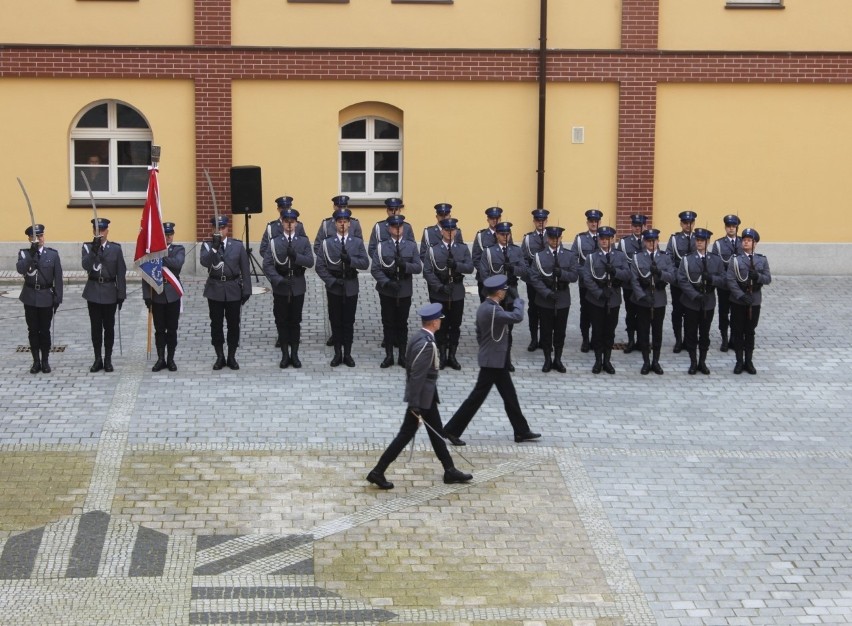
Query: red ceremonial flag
{"points": [[151, 242]]}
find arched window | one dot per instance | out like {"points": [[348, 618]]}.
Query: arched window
{"points": [[111, 143], [370, 158]]}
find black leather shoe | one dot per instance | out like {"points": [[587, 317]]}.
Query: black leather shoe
{"points": [[548, 364], [527, 436], [171, 365], [97, 366], [656, 368], [159, 365], [608, 368], [558, 366], [451, 361], [387, 362], [703, 368], [401, 360], [284, 363], [584, 347], [738, 367], [329, 342], [348, 361], [646, 369], [219, 363], [36, 368], [693, 370], [294, 360], [629, 347], [597, 367], [379, 480], [453, 475], [108, 364], [678, 347], [455, 440], [45, 367], [533, 346], [232, 363], [336, 360], [724, 346], [750, 368]]}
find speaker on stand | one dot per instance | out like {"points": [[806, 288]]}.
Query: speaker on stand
{"points": [[246, 200]]}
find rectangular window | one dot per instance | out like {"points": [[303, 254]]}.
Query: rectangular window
{"points": [[421, 1], [320, 1], [754, 4]]}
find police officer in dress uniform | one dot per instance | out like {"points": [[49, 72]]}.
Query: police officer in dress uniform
{"points": [[105, 290], [630, 245], [605, 271], [339, 259], [276, 227], [227, 289], [41, 294], [165, 307], [747, 274], [532, 242], [485, 238], [551, 272], [289, 255], [433, 235], [379, 232], [698, 276], [444, 269], [421, 394], [585, 243], [680, 244], [650, 271], [726, 247], [393, 262]]}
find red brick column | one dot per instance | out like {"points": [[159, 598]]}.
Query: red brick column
{"points": [[640, 24], [213, 141], [212, 22]]}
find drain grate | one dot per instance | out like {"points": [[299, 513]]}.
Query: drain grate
{"points": [[53, 349]]}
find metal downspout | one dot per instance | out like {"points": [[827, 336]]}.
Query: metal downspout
{"points": [[542, 102]]}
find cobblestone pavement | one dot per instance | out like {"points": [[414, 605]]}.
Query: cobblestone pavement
{"points": [[206, 497]]}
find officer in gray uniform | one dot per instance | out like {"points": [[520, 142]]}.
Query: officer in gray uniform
{"points": [[104, 292], [394, 261], [605, 271], [551, 273], [444, 269], [289, 255], [680, 244], [747, 274], [165, 306], [698, 276], [630, 245], [276, 227], [531, 244], [227, 289], [586, 243], [485, 238], [727, 247], [41, 294], [432, 235], [379, 232], [421, 395]]}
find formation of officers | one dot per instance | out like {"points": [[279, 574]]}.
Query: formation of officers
{"points": [[700, 274]]}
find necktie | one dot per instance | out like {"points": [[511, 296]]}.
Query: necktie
{"points": [[556, 258], [505, 254], [397, 246]]}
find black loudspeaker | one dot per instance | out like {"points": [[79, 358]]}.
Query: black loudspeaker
{"points": [[246, 194]]}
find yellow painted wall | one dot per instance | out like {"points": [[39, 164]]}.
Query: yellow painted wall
{"points": [[36, 120], [778, 155], [153, 22], [801, 25]]}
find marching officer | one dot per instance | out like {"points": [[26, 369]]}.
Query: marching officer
{"points": [[630, 245], [650, 271], [433, 234], [726, 247], [444, 269], [165, 306], [485, 238], [227, 289], [276, 227], [698, 276], [586, 243], [379, 232], [531, 244], [105, 290], [289, 256], [339, 259], [42, 294], [680, 244], [604, 273], [747, 274], [551, 272], [394, 261]]}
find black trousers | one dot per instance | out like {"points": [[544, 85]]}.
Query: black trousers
{"points": [[287, 311], [603, 326], [406, 433], [629, 311], [553, 325], [696, 329], [450, 331], [488, 378], [38, 328], [166, 317], [585, 320], [395, 319], [678, 310], [219, 313], [532, 311], [724, 297], [102, 321], [743, 326], [341, 314], [649, 327]]}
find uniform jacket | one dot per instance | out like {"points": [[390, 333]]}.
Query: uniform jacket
{"points": [[107, 273], [585, 243], [275, 229], [485, 238], [421, 370], [379, 232], [437, 273], [329, 229], [630, 245], [42, 278], [287, 276], [737, 277], [680, 244], [650, 291], [531, 244], [541, 277], [493, 262], [601, 289], [228, 273], [698, 294], [330, 268], [432, 236], [492, 331], [727, 249], [385, 268], [173, 261]]}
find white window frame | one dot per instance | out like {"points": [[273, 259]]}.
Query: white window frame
{"points": [[754, 4], [370, 146]]}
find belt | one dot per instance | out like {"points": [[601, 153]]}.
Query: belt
{"points": [[101, 279], [224, 278], [38, 287]]}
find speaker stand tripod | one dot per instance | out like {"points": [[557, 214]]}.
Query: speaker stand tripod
{"points": [[255, 265]]}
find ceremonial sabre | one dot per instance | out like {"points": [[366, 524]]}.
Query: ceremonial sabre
{"points": [[94, 206], [30, 207], [213, 197]]}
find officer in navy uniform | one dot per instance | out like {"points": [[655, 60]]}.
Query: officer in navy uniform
{"points": [[505, 258], [485, 238], [105, 290], [747, 274], [165, 306], [276, 227], [41, 294], [289, 255], [227, 289], [605, 271], [726, 247], [680, 245], [531, 244], [492, 333], [585, 243], [421, 395], [338, 261], [651, 271], [433, 235], [698, 276], [444, 269], [393, 263], [551, 273], [379, 232], [630, 245]]}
